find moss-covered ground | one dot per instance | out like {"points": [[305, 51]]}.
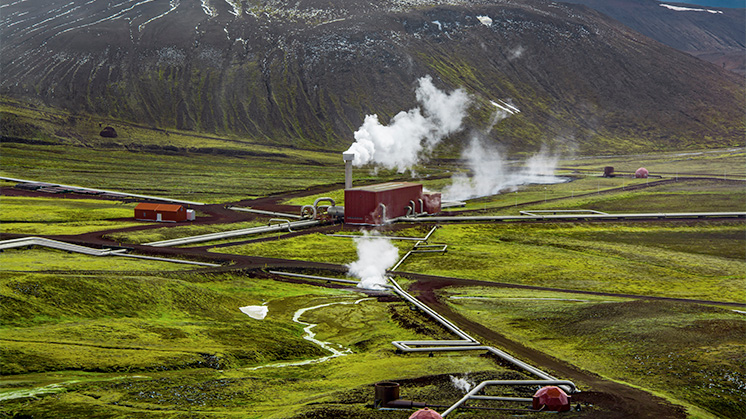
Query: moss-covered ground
{"points": [[165, 345], [169, 233], [694, 354], [697, 261], [112, 337], [56, 215]]}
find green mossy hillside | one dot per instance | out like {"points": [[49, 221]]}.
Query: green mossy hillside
{"points": [[693, 354], [135, 322]]}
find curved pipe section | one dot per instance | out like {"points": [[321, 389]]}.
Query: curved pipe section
{"points": [[384, 219], [324, 199], [305, 210]]}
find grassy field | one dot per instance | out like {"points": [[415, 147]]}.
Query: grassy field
{"points": [[112, 337], [50, 260], [143, 345], [690, 353], [696, 261], [588, 257], [55, 215], [192, 176], [725, 163], [168, 233]]}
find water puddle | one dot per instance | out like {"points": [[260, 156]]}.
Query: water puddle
{"points": [[255, 312]]}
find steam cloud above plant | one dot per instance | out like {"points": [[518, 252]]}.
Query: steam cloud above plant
{"points": [[375, 256], [412, 134], [400, 144]]}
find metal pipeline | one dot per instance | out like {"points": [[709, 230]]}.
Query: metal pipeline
{"points": [[473, 393], [323, 278], [306, 208], [263, 212], [419, 239], [281, 220], [470, 344], [322, 199], [579, 216], [440, 319], [383, 213]]}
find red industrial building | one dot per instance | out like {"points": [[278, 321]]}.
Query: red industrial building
{"points": [[163, 212], [375, 204]]}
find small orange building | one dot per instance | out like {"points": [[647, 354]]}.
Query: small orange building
{"points": [[162, 212]]}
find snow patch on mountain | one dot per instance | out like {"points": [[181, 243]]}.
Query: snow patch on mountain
{"points": [[689, 9], [485, 20]]}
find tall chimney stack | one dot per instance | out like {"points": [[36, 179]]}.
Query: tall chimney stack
{"points": [[348, 157]]}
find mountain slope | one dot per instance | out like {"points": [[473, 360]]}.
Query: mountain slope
{"points": [[306, 75], [715, 34]]}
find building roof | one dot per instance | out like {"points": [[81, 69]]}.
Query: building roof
{"points": [[385, 186], [147, 206]]}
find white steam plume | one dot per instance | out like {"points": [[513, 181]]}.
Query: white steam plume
{"points": [[490, 174], [399, 145], [461, 383], [375, 255]]}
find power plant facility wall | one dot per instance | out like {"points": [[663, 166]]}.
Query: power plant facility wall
{"points": [[374, 204]]}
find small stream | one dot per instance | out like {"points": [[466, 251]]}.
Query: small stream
{"points": [[310, 336]]}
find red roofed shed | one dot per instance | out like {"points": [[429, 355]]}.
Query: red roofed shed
{"points": [[161, 212]]}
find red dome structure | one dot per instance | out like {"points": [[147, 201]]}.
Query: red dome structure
{"points": [[551, 398], [426, 414], [641, 173]]}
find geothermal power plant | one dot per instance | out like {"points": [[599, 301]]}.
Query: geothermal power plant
{"points": [[375, 204]]}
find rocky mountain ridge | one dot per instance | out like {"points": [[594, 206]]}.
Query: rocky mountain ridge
{"points": [[307, 74], [715, 34]]}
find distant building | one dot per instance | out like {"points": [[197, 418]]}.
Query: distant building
{"points": [[163, 212]]}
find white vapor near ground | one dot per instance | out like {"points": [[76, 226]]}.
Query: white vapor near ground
{"points": [[490, 174], [400, 144], [461, 384], [375, 256]]}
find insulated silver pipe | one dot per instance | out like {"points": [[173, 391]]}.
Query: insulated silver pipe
{"points": [[322, 278], [472, 394], [383, 213], [467, 344], [588, 216], [419, 239], [440, 319]]}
